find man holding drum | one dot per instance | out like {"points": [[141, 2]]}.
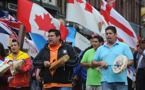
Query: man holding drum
{"points": [[55, 75], [20, 80], [105, 57]]}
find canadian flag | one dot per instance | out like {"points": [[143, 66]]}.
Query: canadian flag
{"points": [[81, 12], [35, 17], [124, 29]]}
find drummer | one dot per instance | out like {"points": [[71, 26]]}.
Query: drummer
{"points": [[61, 79], [19, 81], [104, 58]]}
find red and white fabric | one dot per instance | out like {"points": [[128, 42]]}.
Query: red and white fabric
{"points": [[124, 29], [35, 18], [81, 12]]}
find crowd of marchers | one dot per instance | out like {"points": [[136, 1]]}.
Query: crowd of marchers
{"points": [[61, 66]]}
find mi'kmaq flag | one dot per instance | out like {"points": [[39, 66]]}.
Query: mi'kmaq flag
{"points": [[124, 29], [35, 18], [81, 12]]}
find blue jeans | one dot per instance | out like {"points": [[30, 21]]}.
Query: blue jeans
{"points": [[114, 86]]}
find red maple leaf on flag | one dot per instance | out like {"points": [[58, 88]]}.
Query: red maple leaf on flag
{"points": [[44, 23], [89, 8]]}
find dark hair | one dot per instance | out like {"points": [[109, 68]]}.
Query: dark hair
{"points": [[2, 51], [15, 40], [100, 39], [112, 28], [57, 32]]}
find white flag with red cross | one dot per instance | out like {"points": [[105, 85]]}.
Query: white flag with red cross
{"points": [[124, 30], [81, 12]]}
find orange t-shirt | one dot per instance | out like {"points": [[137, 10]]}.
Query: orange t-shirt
{"points": [[53, 58]]}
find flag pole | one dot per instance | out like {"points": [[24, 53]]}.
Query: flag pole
{"points": [[21, 36]]}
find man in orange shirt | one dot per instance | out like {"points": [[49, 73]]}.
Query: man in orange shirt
{"points": [[60, 77]]}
